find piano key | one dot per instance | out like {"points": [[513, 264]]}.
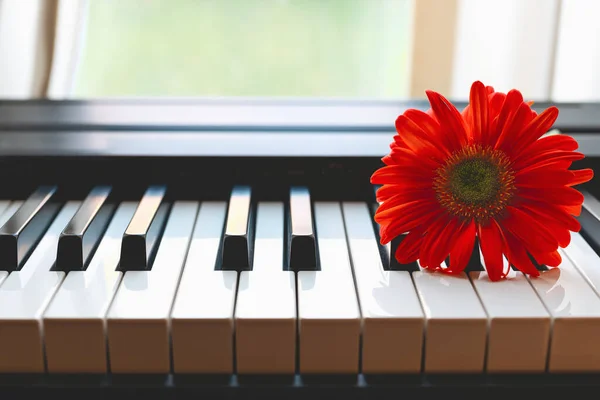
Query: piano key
{"points": [[138, 318], [74, 323], [202, 316], [328, 313], [590, 220], [575, 311], [24, 296], [583, 257], [142, 237], [385, 251], [265, 311], [519, 325], [20, 234], [81, 236], [237, 241], [9, 210], [301, 233], [393, 321], [452, 310], [3, 206]]}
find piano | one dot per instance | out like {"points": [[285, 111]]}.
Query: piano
{"points": [[227, 248]]}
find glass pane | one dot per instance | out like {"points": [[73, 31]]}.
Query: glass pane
{"points": [[330, 48]]}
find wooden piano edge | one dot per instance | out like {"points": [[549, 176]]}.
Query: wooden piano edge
{"points": [[293, 387]]}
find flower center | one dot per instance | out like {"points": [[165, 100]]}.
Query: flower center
{"points": [[475, 182]]}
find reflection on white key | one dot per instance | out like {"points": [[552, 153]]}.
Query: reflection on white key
{"points": [[265, 316], [575, 310], [202, 316], [456, 330], [74, 323], [7, 210], [519, 325], [329, 317], [393, 320], [24, 296], [585, 259], [138, 319]]}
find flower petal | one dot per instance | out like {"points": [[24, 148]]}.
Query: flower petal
{"points": [[410, 218], [581, 176], [479, 112], [517, 255], [451, 122], [409, 195], [550, 212], [416, 138], [408, 249], [529, 230], [463, 248], [511, 103], [540, 125], [564, 196], [490, 241], [543, 178], [433, 234], [395, 174], [549, 158], [514, 124], [550, 259]]}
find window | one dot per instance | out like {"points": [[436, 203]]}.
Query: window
{"points": [[335, 48]]}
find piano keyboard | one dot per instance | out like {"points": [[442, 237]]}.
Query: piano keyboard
{"points": [[243, 286]]}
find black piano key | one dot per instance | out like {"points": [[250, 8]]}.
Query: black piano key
{"points": [[394, 264], [21, 233], [590, 221], [239, 231], [475, 263], [142, 236], [79, 239], [301, 243]]}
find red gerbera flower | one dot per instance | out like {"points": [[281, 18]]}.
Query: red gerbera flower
{"points": [[488, 172]]}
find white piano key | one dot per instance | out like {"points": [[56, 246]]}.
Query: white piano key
{"points": [[24, 296], [265, 311], [575, 310], [328, 313], [138, 318], [519, 325], [585, 259], [393, 321], [202, 316], [456, 329], [8, 208], [74, 323]]}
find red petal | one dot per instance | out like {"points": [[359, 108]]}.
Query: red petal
{"points": [[394, 174], [540, 125], [408, 195], [551, 259], [410, 218], [529, 230], [490, 241], [514, 124], [444, 242], [463, 248], [513, 100], [408, 249], [581, 176], [573, 210], [543, 178], [547, 144], [551, 212], [433, 233], [406, 157], [564, 196], [479, 112], [451, 122], [416, 138], [517, 255], [551, 223], [549, 158], [496, 101]]}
